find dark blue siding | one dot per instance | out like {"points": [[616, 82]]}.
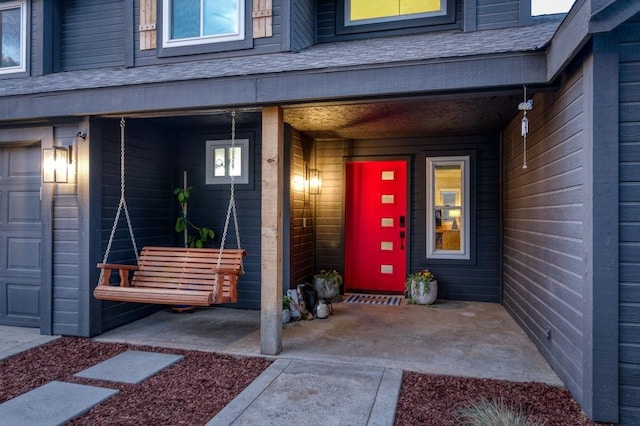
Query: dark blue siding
{"points": [[92, 34], [302, 24], [493, 14], [208, 204], [148, 160], [629, 268]]}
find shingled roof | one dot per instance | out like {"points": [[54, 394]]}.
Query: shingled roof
{"points": [[360, 53]]}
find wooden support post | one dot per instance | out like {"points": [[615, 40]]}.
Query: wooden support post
{"points": [[272, 230]]}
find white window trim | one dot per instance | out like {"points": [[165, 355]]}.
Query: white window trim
{"points": [[465, 235], [211, 178], [166, 29], [348, 22], [22, 4]]}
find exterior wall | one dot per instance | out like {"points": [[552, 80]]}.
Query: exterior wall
{"points": [[208, 203], [629, 226], [149, 194], [546, 229], [302, 24], [66, 293], [493, 14], [301, 213], [92, 34], [478, 279]]}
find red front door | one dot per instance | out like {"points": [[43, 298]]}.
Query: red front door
{"points": [[375, 226]]}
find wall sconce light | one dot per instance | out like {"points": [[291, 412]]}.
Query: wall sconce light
{"points": [[315, 181], [455, 214], [55, 164], [298, 183]]}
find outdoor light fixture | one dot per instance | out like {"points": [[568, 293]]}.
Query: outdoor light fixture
{"points": [[455, 214], [315, 181], [55, 164], [298, 183]]}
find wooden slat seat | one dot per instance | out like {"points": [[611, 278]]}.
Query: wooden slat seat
{"points": [[175, 276]]}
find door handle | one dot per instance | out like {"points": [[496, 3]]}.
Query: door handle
{"points": [[401, 221], [402, 240]]}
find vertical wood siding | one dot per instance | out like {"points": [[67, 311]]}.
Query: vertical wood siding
{"points": [[302, 24], [301, 221], [629, 234], [545, 260], [92, 34], [149, 192], [493, 14], [479, 281]]}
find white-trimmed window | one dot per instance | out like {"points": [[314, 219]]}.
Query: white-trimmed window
{"points": [[362, 12], [192, 22], [448, 208], [13, 36], [224, 161]]}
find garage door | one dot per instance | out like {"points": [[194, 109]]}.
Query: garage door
{"points": [[20, 236]]}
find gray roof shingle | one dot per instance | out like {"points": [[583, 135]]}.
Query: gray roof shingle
{"points": [[360, 53]]}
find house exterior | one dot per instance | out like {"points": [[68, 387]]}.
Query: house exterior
{"points": [[412, 114]]}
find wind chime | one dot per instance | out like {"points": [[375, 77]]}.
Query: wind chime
{"points": [[526, 105]]}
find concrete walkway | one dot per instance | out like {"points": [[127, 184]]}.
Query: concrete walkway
{"points": [[346, 369]]}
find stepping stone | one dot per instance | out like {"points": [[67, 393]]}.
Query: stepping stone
{"points": [[130, 367], [52, 404]]}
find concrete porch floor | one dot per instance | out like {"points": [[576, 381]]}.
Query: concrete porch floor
{"points": [[449, 338]]}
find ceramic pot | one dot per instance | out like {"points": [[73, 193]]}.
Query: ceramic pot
{"points": [[419, 292], [327, 289], [286, 316], [322, 309]]}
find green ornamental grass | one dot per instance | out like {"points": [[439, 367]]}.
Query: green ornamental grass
{"points": [[495, 413]]}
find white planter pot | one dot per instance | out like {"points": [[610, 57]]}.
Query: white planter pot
{"points": [[420, 295]]}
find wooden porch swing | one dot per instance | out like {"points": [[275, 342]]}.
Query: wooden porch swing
{"points": [[173, 275]]}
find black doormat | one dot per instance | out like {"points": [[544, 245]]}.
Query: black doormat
{"points": [[375, 299]]}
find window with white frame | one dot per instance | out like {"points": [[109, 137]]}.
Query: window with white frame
{"points": [[448, 208], [192, 22], [13, 36], [224, 161]]}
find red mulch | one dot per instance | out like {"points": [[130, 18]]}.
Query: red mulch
{"points": [[193, 390], [436, 400]]}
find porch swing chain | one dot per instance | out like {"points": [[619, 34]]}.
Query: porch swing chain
{"points": [[232, 198], [121, 206]]}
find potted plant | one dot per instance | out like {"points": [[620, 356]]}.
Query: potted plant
{"points": [[286, 313], [421, 287], [327, 283]]}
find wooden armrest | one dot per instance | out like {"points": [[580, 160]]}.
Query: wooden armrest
{"points": [[123, 272]]}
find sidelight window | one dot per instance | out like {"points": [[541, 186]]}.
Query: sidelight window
{"points": [[448, 208]]}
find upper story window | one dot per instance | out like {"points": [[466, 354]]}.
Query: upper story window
{"points": [[359, 12], [191, 22], [360, 16], [13, 36]]}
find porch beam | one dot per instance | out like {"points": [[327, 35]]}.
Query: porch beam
{"points": [[272, 230]]}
